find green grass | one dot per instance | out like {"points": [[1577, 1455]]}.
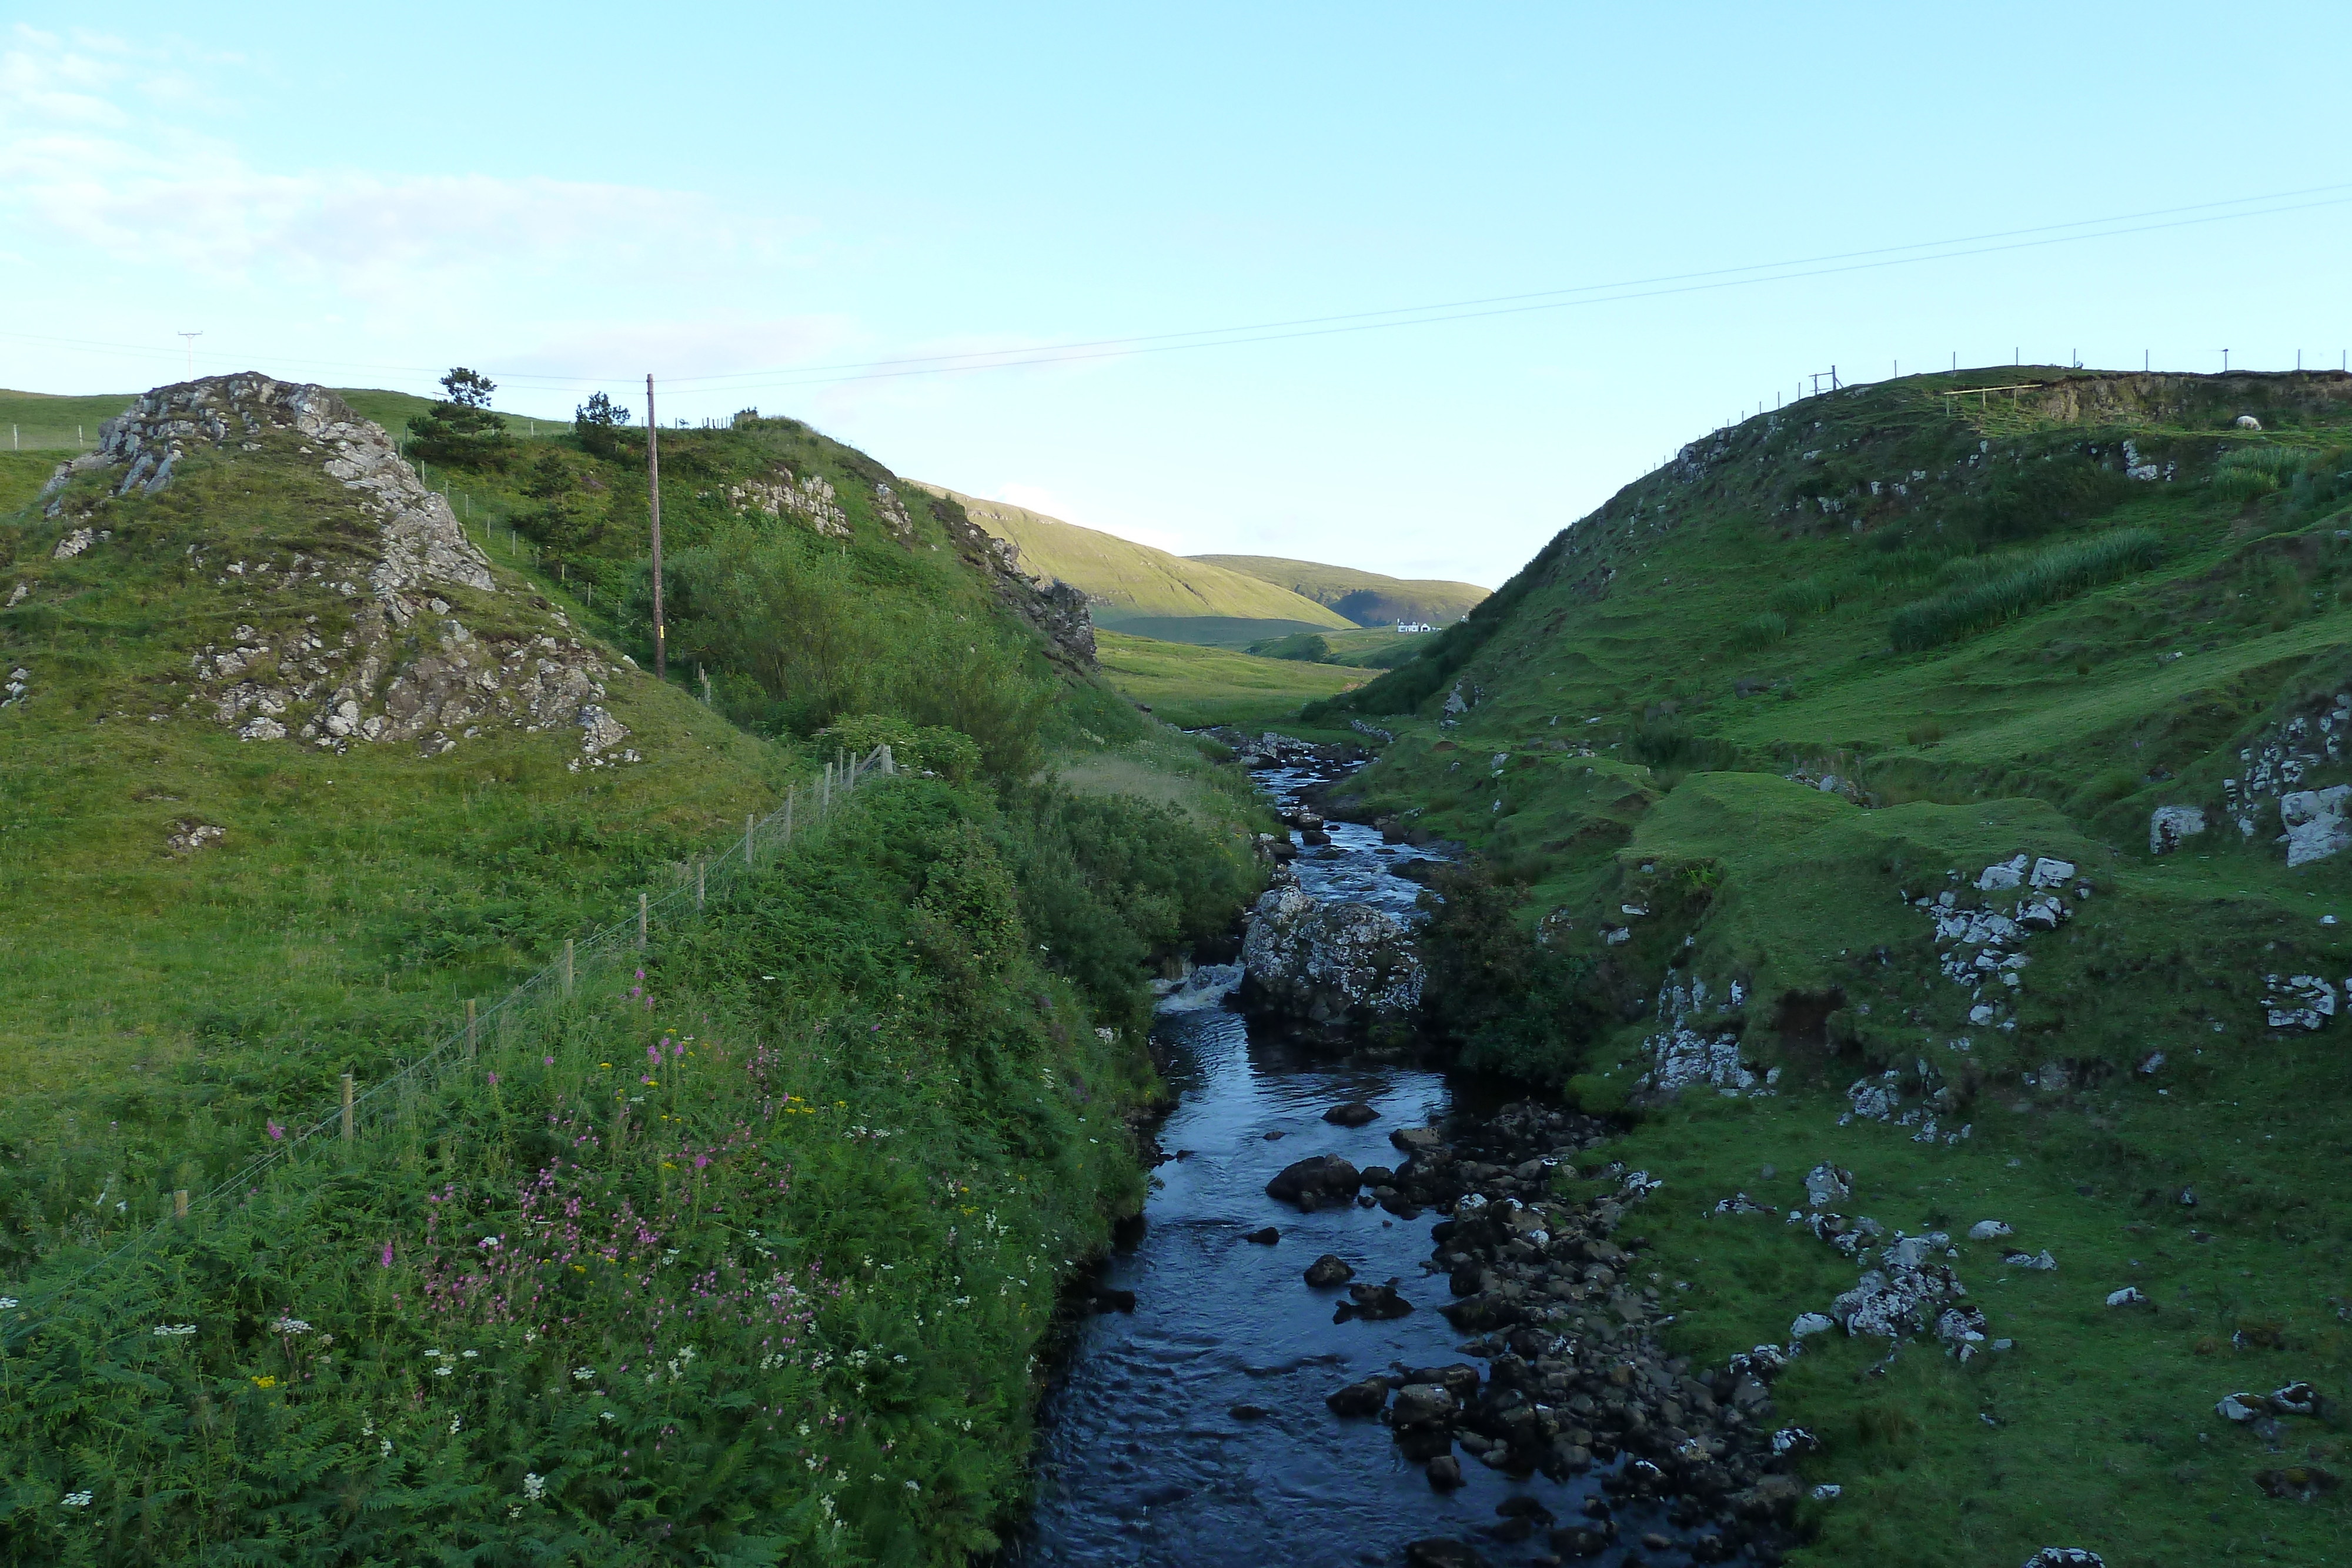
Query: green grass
{"points": [[1128, 581], [812, 1159], [1191, 687], [2102, 646], [1986, 591], [1367, 598]]}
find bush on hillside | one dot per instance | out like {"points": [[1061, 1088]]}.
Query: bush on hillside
{"points": [[1508, 1002], [460, 430], [818, 642], [2032, 498], [598, 423], [919, 748]]}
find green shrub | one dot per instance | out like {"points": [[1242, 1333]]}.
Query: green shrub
{"points": [[1760, 630], [919, 748], [1985, 591], [1508, 1002]]}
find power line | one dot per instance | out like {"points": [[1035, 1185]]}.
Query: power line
{"points": [[1663, 285]]}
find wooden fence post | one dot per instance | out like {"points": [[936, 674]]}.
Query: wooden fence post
{"points": [[789, 796], [641, 921], [567, 966], [180, 1203], [824, 802], [350, 1122], [472, 1036], [748, 820], [698, 884]]}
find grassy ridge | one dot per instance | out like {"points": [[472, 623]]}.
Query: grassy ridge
{"points": [[1367, 598], [1126, 582], [44, 422], [1684, 746]]}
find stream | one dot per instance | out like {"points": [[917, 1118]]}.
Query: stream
{"points": [[1193, 1430]]}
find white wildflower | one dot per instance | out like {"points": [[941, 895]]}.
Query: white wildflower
{"points": [[470, 1354], [291, 1325], [75, 1499], [912, 1487], [534, 1486], [6, 1302], [387, 1448], [442, 1371], [175, 1330], [454, 1423], [583, 1375]]}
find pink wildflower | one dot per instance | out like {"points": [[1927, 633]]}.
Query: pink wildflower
{"points": [[275, 1131]]}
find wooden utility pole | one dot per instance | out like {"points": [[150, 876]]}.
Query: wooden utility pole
{"points": [[653, 492]]}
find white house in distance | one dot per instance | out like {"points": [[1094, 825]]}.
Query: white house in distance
{"points": [[1415, 626]]}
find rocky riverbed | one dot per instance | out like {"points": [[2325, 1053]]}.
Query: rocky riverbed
{"points": [[1355, 1325]]}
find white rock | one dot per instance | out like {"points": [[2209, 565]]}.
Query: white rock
{"points": [[1809, 1324], [2050, 872], [2002, 873], [1826, 1185], [2297, 1001], [2314, 823], [2065, 1557], [2168, 825], [2129, 1296], [2248, 422], [2238, 1408], [1987, 1231], [1828, 1491]]}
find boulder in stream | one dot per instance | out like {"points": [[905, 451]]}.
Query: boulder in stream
{"points": [[1336, 970], [1309, 1182]]}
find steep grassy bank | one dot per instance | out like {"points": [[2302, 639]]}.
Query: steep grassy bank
{"points": [[1750, 752], [306, 753]]}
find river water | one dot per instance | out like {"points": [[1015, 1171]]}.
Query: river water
{"points": [[1193, 1430]]}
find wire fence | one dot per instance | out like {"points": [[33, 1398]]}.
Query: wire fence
{"points": [[559, 976]]}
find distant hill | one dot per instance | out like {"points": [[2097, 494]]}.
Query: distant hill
{"points": [[1366, 597], [1184, 600]]}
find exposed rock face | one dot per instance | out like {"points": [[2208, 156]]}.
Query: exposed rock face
{"points": [[1336, 968], [1057, 609], [2275, 768], [810, 498], [401, 667]]}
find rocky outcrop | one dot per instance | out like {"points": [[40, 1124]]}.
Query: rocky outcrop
{"points": [[1337, 970], [354, 639], [1057, 611]]}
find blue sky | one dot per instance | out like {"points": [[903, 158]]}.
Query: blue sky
{"points": [[735, 198]]}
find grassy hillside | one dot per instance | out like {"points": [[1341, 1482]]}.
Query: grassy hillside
{"points": [[1127, 582], [1194, 687], [1727, 742], [300, 759], [1366, 597]]}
